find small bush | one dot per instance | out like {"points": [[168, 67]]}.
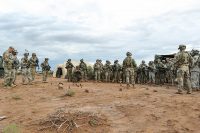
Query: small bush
{"points": [[70, 93], [12, 128]]}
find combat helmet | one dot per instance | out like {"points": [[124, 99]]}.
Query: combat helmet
{"points": [[181, 46], [128, 54]]}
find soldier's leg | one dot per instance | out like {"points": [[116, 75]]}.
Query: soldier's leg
{"points": [[109, 76], [188, 80], [180, 78], [12, 77], [33, 71], [46, 75], [85, 75], [195, 80], [99, 75], [29, 76], [23, 76], [153, 78], [43, 75], [95, 75], [7, 74], [132, 77], [15, 76], [127, 76]]}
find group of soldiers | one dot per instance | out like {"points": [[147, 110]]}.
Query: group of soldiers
{"points": [[184, 69], [12, 65]]}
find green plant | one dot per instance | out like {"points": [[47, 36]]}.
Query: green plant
{"points": [[12, 128], [70, 93]]}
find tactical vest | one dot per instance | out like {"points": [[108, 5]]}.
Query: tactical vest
{"points": [[128, 62]]}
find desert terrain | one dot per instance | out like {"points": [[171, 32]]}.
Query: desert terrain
{"points": [[112, 108]]}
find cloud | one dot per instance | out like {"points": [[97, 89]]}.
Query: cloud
{"points": [[99, 29]]}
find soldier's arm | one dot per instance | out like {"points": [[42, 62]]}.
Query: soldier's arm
{"points": [[134, 63]]}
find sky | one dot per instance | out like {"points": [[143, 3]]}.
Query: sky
{"points": [[99, 29]]}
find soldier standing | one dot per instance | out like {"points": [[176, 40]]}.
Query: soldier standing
{"points": [[69, 67], [8, 65], [169, 71], [143, 72], [195, 70], [151, 69], [102, 72], [34, 62], [129, 65], [161, 67], [182, 61], [45, 69], [83, 69], [97, 70], [107, 70], [25, 67], [116, 71], [16, 65]]}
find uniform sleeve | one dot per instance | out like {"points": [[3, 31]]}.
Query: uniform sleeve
{"points": [[134, 63]]}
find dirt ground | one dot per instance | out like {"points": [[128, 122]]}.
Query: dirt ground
{"points": [[145, 109]]}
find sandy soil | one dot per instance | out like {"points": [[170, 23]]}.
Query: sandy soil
{"points": [[145, 109]]}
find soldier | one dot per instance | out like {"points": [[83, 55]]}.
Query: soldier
{"points": [[107, 70], [69, 67], [97, 71], [169, 71], [102, 72], [45, 69], [8, 65], [143, 72], [182, 61], [16, 65], [77, 74], [34, 62], [116, 71], [25, 67], [151, 69], [160, 67], [129, 65], [83, 69], [195, 70]]}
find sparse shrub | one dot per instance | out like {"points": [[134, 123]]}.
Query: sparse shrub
{"points": [[12, 128], [70, 93]]}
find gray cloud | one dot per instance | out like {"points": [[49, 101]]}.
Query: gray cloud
{"points": [[68, 39]]}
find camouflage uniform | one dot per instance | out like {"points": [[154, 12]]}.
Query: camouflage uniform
{"points": [[169, 72], [69, 67], [16, 65], [102, 72], [45, 69], [97, 71], [25, 67], [195, 72], [34, 62], [151, 69], [143, 72], [83, 69], [160, 69], [116, 71], [8, 67], [129, 65], [107, 70], [182, 61]]}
